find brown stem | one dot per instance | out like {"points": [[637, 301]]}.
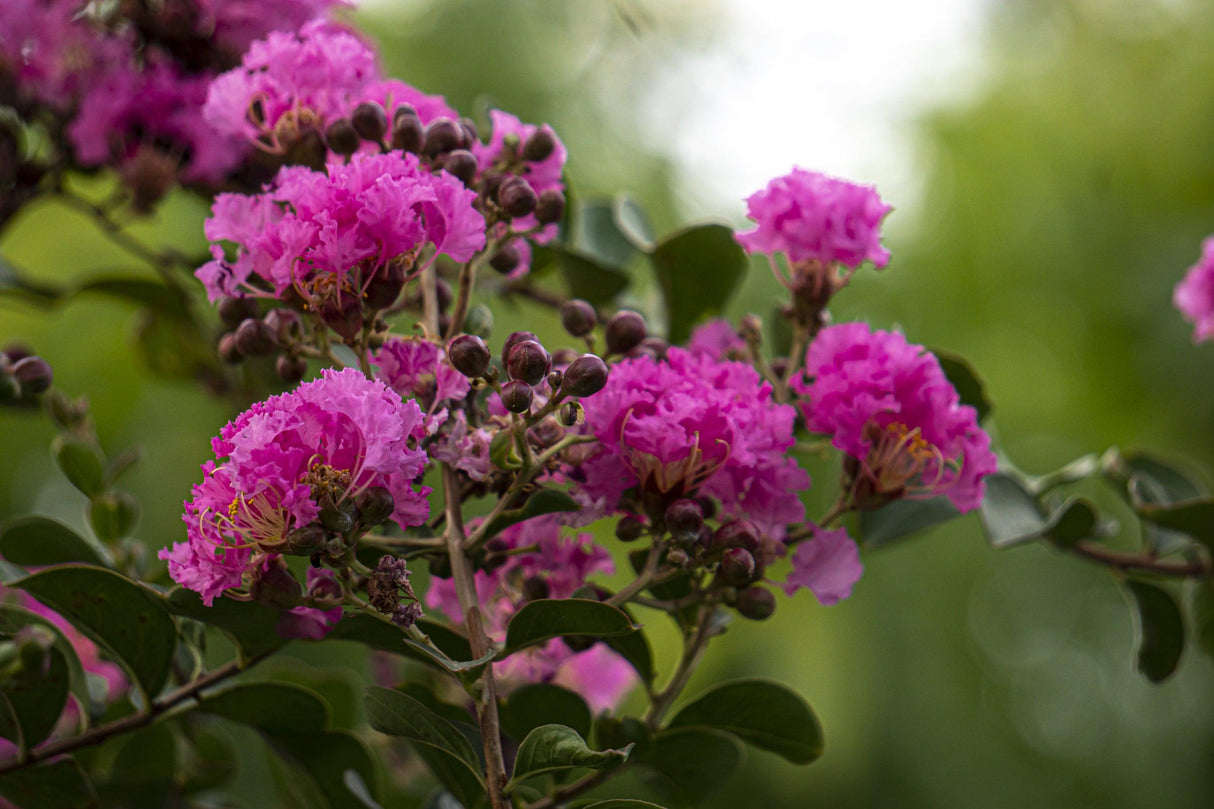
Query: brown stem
{"points": [[693, 653], [1194, 568], [576, 788], [643, 578], [465, 589]]}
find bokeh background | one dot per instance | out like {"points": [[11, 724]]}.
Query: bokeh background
{"points": [[1051, 166]]}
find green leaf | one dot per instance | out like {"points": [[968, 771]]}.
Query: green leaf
{"points": [[58, 784], [1194, 518], [541, 620], [597, 236], [214, 758], [113, 515], [40, 541], [270, 707], [536, 704], [1160, 631], [903, 518], [761, 712], [698, 269], [634, 647], [12, 618], [966, 381], [146, 292], [1076, 519], [691, 763], [37, 698], [632, 222], [621, 732], [1144, 481], [556, 747], [447, 751], [544, 501], [452, 648], [325, 758], [143, 772], [1202, 614], [622, 803], [589, 279], [127, 620], [80, 462], [250, 626], [1010, 514]]}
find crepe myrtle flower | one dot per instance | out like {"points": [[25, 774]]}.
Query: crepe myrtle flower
{"points": [[827, 564], [887, 404], [1194, 296], [291, 462]]}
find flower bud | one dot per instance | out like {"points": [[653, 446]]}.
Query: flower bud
{"points": [[462, 165], [756, 603], [506, 259], [578, 317], [535, 588], [342, 138], [375, 505], [339, 517], [657, 345], [471, 136], [254, 337], [625, 331], [684, 519], [517, 396], [303, 541], [385, 286], [528, 362], [309, 150], [344, 316], [550, 207], [629, 528], [539, 146], [33, 374], [290, 369], [274, 585], [514, 339], [325, 590], [227, 350], [571, 414], [408, 132], [234, 311], [585, 376], [554, 379], [442, 135], [285, 324], [479, 320], [516, 197], [678, 557], [737, 567], [469, 355], [736, 534], [370, 121], [9, 387]]}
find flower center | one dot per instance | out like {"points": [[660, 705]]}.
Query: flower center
{"points": [[258, 522], [902, 462]]}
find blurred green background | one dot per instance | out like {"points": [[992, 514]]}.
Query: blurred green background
{"points": [[1060, 202]]}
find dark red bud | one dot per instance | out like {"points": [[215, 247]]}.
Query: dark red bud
{"points": [[385, 286], [342, 138], [585, 376], [528, 362], [290, 369], [514, 339], [234, 311], [517, 396], [737, 567], [408, 133], [462, 165], [629, 529], [550, 207], [625, 331], [516, 197], [756, 603], [254, 338], [540, 145], [228, 352], [33, 374], [737, 534], [506, 259], [443, 135], [469, 355], [370, 121], [579, 318], [684, 519]]}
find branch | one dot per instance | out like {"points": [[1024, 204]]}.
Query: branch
{"points": [[1194, 568]]}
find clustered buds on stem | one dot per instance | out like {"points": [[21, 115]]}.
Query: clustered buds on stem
{"points": [[23, 375]]}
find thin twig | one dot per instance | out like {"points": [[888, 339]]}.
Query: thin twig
{"points": [[1194, 568]]}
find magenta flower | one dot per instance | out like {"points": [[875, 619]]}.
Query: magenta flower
{"points": [[717, 339], [810, 216], [50, 51], [887, 404], [1194, 296], [828, 565], [415, 367], [559, 566], [234, 24], [323, 237], [325, 441], [690, 425]]}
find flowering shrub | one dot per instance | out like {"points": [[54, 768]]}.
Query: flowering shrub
{"points": [[497, 516]]}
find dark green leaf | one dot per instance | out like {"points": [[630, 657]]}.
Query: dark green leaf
{"points": [[1147, 480], [589, 279], [761, 712], [251, 626], [544, 619], [80, 462], [1202, 614], [691, 763], [129, 621], [1194, 518], [622, 803], [634, 647], [698, 269], [1160, 631], [36, 698], [58, 784], [902, 518], [423, 694], [12, 618], [556, 747], [597, 236], [1076, 519], [214, 757], [146, 292], [544, 501], [633, 223], [269, 707], [619, 733], [143, 773], [385, 636], [1010, 513], [966, 381], [39, 541], [113, 515], [536, 704], [325, 758]]}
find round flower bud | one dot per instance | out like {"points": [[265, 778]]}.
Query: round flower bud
{"points": [[554, 379], [471, 136], [585, 376], [516, 197], [629, 529], [657, 345], [15, 352], [737, 534], [517, 396], [684, 519], [442, 135], [625, 331], [678, 557], [578, 317], [228, 352], [756, 603], [535, 588], [290, 369], [339, 517], [528, 362], [571, 414], [462, 165], [369, 121], [506, 259], [408, 132], [375, 505], [342, 138], [737, 567], [254, 337], [514, 339], [479, 320], [303, 541], [539, 146], [344, 317], [564, 356], [234, 311], [285, 324], [33, 374], [550, 207], [9, 387], [469, 355], [385, 286]]}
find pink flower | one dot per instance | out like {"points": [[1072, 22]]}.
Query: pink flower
{"points": [[418, 368], [887, 404], [690, 425], [828, 565], [50, 50], [325, 236], [717, 339], [556, 569], [466, 448], [312, 623], [1194, 296], [234, 24], [280, 460], [810, 216]]}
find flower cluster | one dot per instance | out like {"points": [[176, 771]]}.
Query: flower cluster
{"points": [[887, 404], [1194, 296], [300, 473]]}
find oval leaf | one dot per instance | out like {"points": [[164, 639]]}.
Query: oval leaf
{"points": [[80, 463], [1194, 518], [325, 758], [127, 620], [251, 626], [1010, 514], [36, 699], [269, 707], [12, 618], [548, 618], [902, 518], [689, 764], [1160, 631], [40, 541], [761, 712], [598, 237], [622, 803], [557, 747], [965, 381], [59, 784], [536, 704], [632, 222], [698, 268], [588, 279]]}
